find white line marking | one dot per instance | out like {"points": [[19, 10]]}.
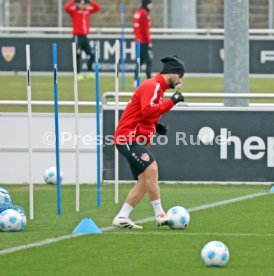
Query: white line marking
{"points": [[109, 228], [211, 205], [182, 232], [36, 244]]}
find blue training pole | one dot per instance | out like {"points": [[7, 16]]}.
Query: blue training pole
{"points": [[97, 83], [123, 42], [57, 149], [138, 62]]}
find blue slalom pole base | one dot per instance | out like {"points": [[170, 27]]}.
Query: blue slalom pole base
{"points": [[87, 226], [272, 189]]}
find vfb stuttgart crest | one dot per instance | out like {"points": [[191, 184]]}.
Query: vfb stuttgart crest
{"points": [[145, 157], [8, 53]]}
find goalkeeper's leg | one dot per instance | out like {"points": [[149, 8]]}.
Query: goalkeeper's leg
{"points": [[145, 169], [147, 182], [153, 190], [134, 196]]}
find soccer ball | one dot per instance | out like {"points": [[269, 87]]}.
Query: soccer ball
{"points": [[12, 221], [179, 217], [22, 212], [50, 176], [215, 253], [4, 196]]}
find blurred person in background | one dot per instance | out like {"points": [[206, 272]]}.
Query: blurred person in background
{"points": [[80, 11], [141, 26]]}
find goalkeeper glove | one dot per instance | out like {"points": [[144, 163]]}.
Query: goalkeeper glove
{"points": [[161, 129], [177, 97]]}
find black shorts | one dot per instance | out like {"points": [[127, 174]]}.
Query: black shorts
{"points": [[82, 44], [138, 156]]}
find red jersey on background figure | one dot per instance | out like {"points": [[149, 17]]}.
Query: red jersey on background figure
{"points": [[80, 11], [81, 18], [142, 24]]}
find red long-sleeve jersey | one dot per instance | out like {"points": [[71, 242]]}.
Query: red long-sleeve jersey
{"points": [[143, 111], [141, 25], [81, 18]]}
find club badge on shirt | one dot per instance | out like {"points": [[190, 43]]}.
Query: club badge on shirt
{"points": [[145, 157]]}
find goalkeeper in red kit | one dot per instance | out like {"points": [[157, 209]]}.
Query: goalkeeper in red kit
{"points": [[80, 11], [132, 137]]}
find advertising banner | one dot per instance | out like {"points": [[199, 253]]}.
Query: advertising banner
{"points": [[201, 55], [236, 146]]}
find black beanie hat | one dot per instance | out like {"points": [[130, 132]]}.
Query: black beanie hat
{"points": [[145, 3], [173, 65]]}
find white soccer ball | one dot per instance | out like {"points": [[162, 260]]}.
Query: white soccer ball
{"points": [[4, 196], [215, 253], [22, 213], [12, 221], [50, 176], [179, 217]]}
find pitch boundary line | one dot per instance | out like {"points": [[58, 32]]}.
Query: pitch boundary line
{"points": [[182, 232], [211, 205], [109, 228]]}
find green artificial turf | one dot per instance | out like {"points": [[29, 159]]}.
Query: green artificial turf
{"points": [[246, 227], [14, 88]]}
